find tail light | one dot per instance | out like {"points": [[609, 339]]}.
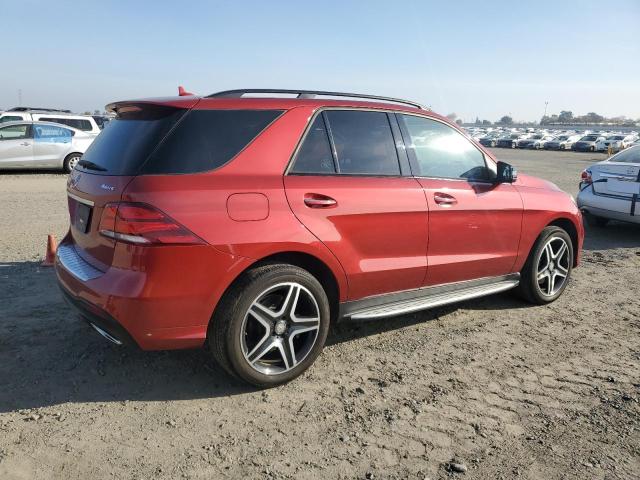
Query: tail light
{"points": [[143, 225], [585, 177]]}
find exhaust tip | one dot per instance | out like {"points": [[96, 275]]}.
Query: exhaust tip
{"points": [[106, 335]]}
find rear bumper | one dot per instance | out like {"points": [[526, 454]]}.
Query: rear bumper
{"points": [[605, 206], [163, 300]]}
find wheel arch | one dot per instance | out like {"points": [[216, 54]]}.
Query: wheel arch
{"points": [[311, 263], [568, 226]]}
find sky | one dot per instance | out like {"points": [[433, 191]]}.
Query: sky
{"points": [[480, 59]]}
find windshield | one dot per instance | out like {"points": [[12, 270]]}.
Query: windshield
{"points": [[589, 138], [616, 137]]}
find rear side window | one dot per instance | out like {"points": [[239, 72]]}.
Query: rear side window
{"points": [[78, 123], [314, 156], [207, 139], [440, 151], [51, 134], [363, 142]]}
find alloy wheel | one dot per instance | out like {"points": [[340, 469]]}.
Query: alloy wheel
{"points": [[553, 266], [280, 328]]}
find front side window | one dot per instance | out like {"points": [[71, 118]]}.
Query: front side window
{"points": [[314, 156], [363, 142], [14, 132], [442, 152]]}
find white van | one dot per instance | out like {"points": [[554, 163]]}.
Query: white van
{"points": [[86, 123]]}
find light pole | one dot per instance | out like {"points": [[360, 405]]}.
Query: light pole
{"points": [[546, 103]]}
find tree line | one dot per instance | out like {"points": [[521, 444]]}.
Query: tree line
{"points": [[565, 117]]}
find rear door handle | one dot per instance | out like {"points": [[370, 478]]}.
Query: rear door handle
{"points": [[317, 200], [444, 199], [25, 144]]}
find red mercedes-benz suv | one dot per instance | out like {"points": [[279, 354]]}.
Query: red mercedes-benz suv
{"points": [[249, 224]]}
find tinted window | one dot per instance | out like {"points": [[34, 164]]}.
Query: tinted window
{"points": [[440, 151], [14, 132], [364, 142], [51, 134], [126, 142], [315, 155], [10, 118], [207, 139]]}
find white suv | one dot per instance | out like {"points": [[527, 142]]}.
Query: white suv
{"points": [[86, 123]]}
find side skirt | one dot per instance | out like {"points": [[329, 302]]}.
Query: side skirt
{"points": [[399, 303]]}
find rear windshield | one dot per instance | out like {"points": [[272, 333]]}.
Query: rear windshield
{"points": [[201, 140], [631, 155]]}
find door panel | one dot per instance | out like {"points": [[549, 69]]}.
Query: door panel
{"points": [[474, 229], [16, 153], [375, 226], [50, 145]]}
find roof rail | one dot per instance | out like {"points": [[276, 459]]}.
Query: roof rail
{"points": [[26, 109], [311, 94]]}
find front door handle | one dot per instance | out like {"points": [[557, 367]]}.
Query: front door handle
{"points": [[317, 200], [444, 199], [25, 144]]}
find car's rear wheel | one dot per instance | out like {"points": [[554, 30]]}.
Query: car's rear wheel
{"points": [[546, 273], [71, 161], [271, 325], [595, 221]]}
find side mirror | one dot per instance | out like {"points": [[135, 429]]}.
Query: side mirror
{"points": [[506, 173]]}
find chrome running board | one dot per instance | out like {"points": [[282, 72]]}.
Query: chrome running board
{"points": [[415, 300]]}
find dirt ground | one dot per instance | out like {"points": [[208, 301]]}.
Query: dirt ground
{"points": [[498, 387]]}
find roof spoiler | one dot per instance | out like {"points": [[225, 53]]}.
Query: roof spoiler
{"points": [[182, 92]]}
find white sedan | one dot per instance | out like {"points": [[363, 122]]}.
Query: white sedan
{"points": [[616, 142], [611, 189], [26, 145]]}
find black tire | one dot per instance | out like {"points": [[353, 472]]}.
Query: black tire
{"points": [[225, 334], [529, 288], [70, 161], [595, 221]]}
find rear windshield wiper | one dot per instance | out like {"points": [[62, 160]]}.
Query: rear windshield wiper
{"points": [[89, 165]]}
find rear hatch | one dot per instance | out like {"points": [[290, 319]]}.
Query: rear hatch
{"points": [[109, 164], [619, 176]]}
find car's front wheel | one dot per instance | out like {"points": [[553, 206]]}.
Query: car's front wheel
{"points": [[271, 325], [546, 273]]}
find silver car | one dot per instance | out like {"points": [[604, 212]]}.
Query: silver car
{"points": [[41, 145], [610, 189]]}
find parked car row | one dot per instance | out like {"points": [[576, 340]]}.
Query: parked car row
{"points": [[586, 141]]}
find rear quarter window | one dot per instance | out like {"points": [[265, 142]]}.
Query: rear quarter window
{"points": [[207, 139]]}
